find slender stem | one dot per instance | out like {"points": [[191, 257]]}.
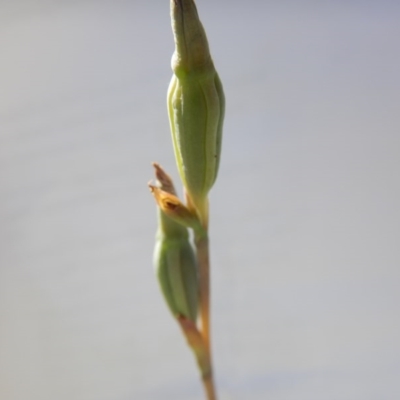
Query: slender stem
{"points": [[204, 277], [202, 247], [209, 388]]}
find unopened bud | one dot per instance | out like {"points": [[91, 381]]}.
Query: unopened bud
{"points": [[174, 259], [196, 105], [176, 269]]}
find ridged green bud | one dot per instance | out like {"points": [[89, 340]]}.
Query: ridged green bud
{"points": [[176, 270], [196, 104], [174, 259]]}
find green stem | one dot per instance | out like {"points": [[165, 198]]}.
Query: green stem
{"points": [[202, 247]]}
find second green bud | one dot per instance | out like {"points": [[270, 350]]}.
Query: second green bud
{"points": [[176, 270]]}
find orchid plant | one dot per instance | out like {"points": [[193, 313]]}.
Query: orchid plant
{"points": [[196, 107]]}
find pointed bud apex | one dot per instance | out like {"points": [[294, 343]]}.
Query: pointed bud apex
{"points": [[191, 45], [164, 181]]}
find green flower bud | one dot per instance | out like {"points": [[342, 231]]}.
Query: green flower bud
{"points": [[174, 259], [176, 270], [196, 105]]}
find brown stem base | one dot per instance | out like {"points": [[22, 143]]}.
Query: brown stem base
{"points": [[209, 388]]}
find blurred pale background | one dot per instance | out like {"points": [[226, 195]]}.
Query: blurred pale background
{"points": [[305, 213]]}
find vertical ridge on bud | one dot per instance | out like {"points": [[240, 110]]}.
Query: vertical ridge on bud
{"points": [[176, 270]]}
